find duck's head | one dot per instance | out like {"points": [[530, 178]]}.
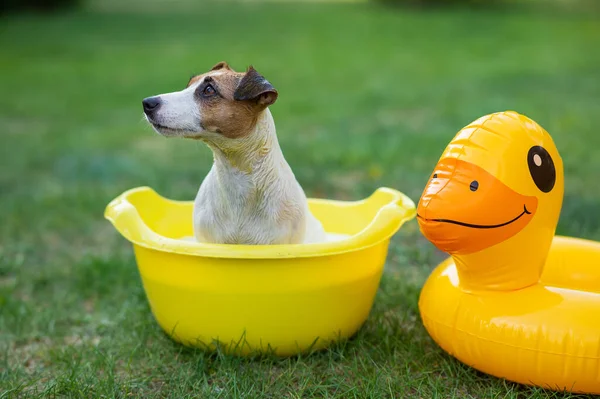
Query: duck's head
{"points": [[494, 198]]}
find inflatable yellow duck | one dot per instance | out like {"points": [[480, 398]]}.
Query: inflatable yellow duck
{"points": [[513, 300]]}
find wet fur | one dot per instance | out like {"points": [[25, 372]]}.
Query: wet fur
{"points": [[250, 195]]}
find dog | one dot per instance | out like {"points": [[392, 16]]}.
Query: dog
{"points": [[250, 196]]}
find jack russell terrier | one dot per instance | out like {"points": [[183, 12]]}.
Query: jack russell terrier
{"points": [[250, 196]]}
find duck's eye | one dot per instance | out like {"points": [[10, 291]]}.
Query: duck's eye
{"points": [[474, 185], [208, 91], [541, 168]]}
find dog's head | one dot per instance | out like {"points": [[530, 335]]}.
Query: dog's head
{"points": [[221, 101]]}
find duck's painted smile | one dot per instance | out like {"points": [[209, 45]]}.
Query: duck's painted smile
{"points": [[465, 209], [479, 226]]}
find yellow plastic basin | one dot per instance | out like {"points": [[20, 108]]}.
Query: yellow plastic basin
{"points": [[282, 299]]}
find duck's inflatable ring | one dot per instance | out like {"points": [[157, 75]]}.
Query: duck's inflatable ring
{"points": [[513, 300]]}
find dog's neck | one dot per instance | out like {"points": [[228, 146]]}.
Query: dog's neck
{"points": [[257, 153]]}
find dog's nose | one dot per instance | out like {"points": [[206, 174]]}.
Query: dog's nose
{"points": [[151, 104]]}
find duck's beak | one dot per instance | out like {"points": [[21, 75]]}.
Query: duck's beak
{"points": [[465, 209]]}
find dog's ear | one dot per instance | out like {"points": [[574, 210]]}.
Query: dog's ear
{"points": [[254, 87], [221, 65]]}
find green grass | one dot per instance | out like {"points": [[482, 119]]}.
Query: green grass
{"points": [[368, 97]]}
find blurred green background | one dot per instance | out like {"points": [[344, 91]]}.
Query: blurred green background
{"points": [[370, 94]]}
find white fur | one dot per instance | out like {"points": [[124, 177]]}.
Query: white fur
{"points": [[180, 111], [250, 195], [179, 114]]}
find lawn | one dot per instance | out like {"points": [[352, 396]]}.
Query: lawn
{"points": [[369, 97]]}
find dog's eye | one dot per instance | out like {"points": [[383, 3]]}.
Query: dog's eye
{"points": [[209, 91]]}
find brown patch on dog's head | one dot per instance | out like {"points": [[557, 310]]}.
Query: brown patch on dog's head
{"points": [[230, 102], [221, 65], [218, 67]]}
